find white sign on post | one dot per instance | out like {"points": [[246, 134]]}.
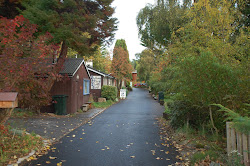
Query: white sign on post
{"points": [[123, 93]]}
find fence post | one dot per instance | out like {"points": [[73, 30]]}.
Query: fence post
{"points": [[239, 143], [249, 148], [245, 149], [229, 145]]}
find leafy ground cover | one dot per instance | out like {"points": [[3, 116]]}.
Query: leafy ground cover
{"points": [[196, 147], [15, 144]]}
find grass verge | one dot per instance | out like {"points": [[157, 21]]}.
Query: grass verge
{"points": [[21, 113], [15, 144], [103, 104]]}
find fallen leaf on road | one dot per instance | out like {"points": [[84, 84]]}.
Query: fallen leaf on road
{"points": [[31, 158], [121, 150], [52, 158], [167, 159], [102, 149], [161, 150], [47, 162], [97, 142], [132, 156], [167, 152], [59, 164], [73, 135], [83, 133], [80, 138], [157, 158]]}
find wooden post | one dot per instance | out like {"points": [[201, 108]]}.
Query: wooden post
{"points": [[233, 139], [229, 145], [239, 143], [245, 149], [249, 148]]}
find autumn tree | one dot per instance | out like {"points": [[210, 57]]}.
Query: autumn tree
{"points": [[26, 62], [121, 67]]}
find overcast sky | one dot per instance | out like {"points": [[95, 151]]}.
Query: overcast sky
{"points": [[126, 12]]}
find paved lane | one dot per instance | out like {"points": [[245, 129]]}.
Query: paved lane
{"points": [[125, 134]]}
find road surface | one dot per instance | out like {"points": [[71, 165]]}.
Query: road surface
{"points": [[126, 134]]}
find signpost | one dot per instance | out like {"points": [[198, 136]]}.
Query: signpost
{"points": [[123, 94]]}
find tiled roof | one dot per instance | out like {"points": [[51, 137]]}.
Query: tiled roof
{"points": [[71, 65], [8, 96]]}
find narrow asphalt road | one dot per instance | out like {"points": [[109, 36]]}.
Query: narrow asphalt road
{"points": [[125, 134]]}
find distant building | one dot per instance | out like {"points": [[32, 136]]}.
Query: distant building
{"points": [[134, 76]]}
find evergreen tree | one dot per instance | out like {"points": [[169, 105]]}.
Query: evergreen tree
{"points": [[80, 25]]}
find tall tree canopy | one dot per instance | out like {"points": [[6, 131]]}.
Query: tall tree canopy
{"points": [[80, 25], [146, 64], [156, 23]]}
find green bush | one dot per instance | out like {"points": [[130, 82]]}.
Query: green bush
{"points": [[183, 113], [109, 92], [129, 88]]}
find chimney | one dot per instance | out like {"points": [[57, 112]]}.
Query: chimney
{"points": [[89, 63]]}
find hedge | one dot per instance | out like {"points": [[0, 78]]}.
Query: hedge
{"points": [[109, 92]]}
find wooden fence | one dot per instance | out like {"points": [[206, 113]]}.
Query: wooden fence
{"points": [[239, 143]]}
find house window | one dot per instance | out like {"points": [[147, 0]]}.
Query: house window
{"points": [[85, 87]]}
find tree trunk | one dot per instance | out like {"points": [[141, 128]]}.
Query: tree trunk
{"points": [[212, 121], [5, 115], [62, 56]]}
